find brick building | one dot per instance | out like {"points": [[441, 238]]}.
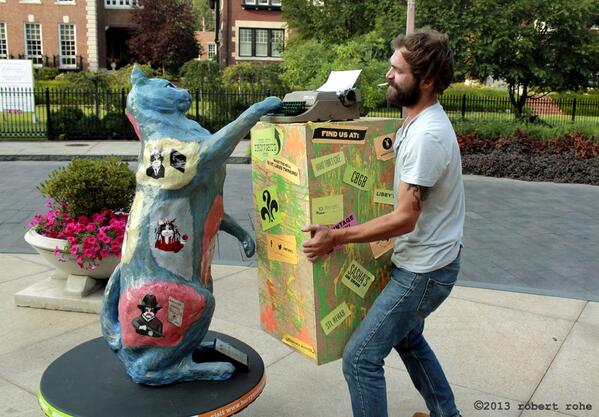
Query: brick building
{"points": [[68, 34], [207, 43], [249, 31]]}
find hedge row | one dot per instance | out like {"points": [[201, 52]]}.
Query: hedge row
{"points": [[571, 159]]}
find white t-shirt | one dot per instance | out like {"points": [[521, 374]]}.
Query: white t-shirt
{"points": [[427, 154]]}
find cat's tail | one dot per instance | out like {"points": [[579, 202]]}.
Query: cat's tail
{"points": [[109, 315], [182, 371]]}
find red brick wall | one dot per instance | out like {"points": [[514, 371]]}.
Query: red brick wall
{"points": [[48, 15], [237, 12], [204, 38]]}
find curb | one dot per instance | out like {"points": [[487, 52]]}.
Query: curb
{"points": [[232, 160]]}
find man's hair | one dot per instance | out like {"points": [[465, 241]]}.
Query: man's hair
{"points": [[429, 56]]}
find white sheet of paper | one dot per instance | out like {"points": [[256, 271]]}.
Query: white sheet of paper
{"points": [[340, 80]]}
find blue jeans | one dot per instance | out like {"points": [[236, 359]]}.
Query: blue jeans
{"points": [[395, 321]]}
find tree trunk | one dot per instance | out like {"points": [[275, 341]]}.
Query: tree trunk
{"points": [[518, 100]]}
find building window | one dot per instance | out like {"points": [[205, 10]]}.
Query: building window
{"points": [[260, 42], [33, 43], [262, 4], [211, 51], [3, 41], [66, 41], [122, 4]]}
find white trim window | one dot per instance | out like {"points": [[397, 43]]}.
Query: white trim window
{"points": [[3, 41], [122, 4], [211, 51], [67, 46], [262, 3], [33, 43], [260, 42]]}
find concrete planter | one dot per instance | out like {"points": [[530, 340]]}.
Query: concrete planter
{"points": [[79, 282]]}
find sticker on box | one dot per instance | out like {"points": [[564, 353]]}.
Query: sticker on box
{"points": [[383, 196], [347, 222], [332, 320], [286, 169], [357, 178], [270, 214], [381, 247], [326, 163], [327, 210], [383, 147], [266, 142], [282, 248], [357, 278], [354, 135], [300, 346]]}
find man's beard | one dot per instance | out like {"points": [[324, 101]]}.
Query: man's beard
{"points": [[404, 98]]}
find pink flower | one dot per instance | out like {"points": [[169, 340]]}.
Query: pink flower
{"points": [[88, 253], [74, 250], [104, 253], [71, 240], [56, 251], [104, 238], [91, 240], [91, 227], [79, 259], [49, 203]]}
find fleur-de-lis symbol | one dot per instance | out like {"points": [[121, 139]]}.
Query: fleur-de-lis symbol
{"points": [[271, 207]]}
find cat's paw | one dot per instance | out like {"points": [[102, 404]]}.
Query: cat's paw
{"points": [[249, 247], [269, 104]]}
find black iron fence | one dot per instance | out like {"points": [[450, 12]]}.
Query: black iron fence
{"points": [[543, 110], [98, 114]]}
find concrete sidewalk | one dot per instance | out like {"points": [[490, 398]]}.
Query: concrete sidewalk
{"points": [[67, 150], [504, 349]]}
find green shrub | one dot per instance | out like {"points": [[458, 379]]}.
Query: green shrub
{"points": [[491, 129], [587, 103], [66, 119], [89, 186], [253, 77], [201, 74], [45, 73], [116, 126]]}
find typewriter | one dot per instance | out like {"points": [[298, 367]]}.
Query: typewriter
{"points": [[317, 106]]}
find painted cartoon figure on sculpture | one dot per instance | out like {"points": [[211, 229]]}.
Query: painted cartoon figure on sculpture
{"points": [[158, 304]]}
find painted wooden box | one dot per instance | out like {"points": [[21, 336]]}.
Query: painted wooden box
{"points": [[337, 174]]}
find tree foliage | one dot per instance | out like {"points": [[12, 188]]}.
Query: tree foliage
{"points": [[164, 35], [338, 21], [254, 77], [201, 74], [204, 15], [531, 44]]}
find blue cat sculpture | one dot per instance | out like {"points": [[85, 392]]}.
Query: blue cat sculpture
{"points": [[158, 303]]}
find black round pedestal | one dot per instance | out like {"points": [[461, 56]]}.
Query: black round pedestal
{"points": [[90, 381]]}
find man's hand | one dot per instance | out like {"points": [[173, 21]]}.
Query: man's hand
{"points": [[321, 244]]}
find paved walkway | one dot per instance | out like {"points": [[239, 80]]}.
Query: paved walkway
{"points": [[501, 348], [508, 352]]}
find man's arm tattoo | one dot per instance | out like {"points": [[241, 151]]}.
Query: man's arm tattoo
{"points": [[420, 194]]}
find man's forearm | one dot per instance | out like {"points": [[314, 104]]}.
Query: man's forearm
{"points": [[380, 228]]}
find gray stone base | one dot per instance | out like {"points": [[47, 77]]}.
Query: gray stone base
{"points": [[50, 294]]}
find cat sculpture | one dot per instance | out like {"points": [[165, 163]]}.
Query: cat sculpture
{"points": [[158, 303]]}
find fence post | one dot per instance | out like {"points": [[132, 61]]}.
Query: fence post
{"points": [[463, 106], [49, 132], [574, 109], [123, 108], [197, 94]]}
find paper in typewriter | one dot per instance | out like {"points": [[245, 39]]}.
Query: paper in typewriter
{"points": [[340, 80]]}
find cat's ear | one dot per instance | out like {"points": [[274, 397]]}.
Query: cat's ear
{"points": [[137, 75]]}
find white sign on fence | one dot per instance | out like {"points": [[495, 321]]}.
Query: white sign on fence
{"points": [[16, 86]]}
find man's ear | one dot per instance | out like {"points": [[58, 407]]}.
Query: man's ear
{"points": [[427, 83]]}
